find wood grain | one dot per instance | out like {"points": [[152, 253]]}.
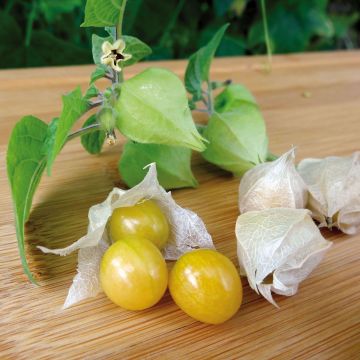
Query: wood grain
{"points": [[321, 322]]}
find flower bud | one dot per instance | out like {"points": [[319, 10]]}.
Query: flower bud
{"points": [[106, 117]]}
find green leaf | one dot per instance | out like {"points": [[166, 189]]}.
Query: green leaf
{"points": [[10, 38], [50, 137], [292, 25], [53, 8], [74, 105], [62, 53], [93, 142], [136, 48], [98, 73], [153, 108], [133, 46], [97, 42], [343, 23], [26, 162], [197, 70], [285, 30], [230, 45], [233, 97], [237, 139], [91, 92], [132, 12], [317, 23], [100, 13], [222, 6], [173, 164], [111, 30]]}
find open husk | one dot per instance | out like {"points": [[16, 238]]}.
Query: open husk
{"points": [[277, 249], [271, 185], [334, 191], [188, 232]]}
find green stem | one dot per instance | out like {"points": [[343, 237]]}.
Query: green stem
{"points": [[210, 100], [29, 24], [121, 17], [9, 6], [172, 22], [266, 31], [86, 130], [120, 75]]}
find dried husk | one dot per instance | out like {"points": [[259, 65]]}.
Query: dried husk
{"points": [[271, 185], [188, 232], [334, 191], [277, 249]]}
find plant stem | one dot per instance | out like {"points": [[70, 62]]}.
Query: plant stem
{"points": [[86, 130], [9, 6], [119, 76], [172, 22], [121, 17], [266, 31], [29, 23], [95, 103], [210, 100]]}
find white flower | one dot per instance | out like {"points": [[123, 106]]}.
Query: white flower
{"points": [[113, 54], [187, 233], [277, 249], [273, 184], [334, 187]]}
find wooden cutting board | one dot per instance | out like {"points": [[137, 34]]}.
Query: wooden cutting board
{"points": [[311, 101]]}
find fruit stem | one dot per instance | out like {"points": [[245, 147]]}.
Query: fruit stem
{"points": [[83, 131]]}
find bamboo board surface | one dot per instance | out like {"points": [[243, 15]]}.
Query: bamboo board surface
{"points": [[322, 321]]}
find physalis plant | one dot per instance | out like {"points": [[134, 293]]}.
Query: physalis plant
{"points": [[153, 110]]}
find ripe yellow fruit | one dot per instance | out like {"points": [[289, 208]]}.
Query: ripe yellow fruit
{"points": [[133, 273], [206, 285], [144, 219]]}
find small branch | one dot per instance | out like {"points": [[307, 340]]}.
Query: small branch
{"points": [[204, 100], [210, 100], [86, 130], [95, 103], [109, 76]]}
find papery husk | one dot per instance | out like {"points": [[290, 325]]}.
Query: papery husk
{"points": [[188, 232], [271, 185], [277, 249], [348, 219], [334, 191]]}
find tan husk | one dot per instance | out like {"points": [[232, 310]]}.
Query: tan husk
{"points": [[334, 191], [188, 232], [277, 249], [273, 184]]}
